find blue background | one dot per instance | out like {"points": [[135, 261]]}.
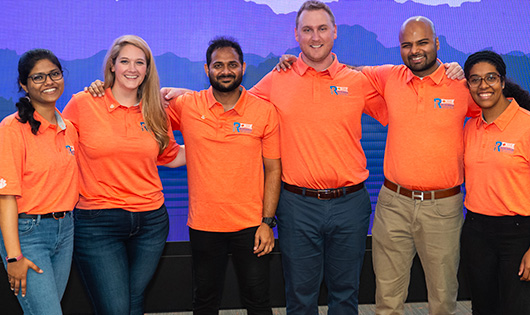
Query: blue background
{"points": [[79, 32]]}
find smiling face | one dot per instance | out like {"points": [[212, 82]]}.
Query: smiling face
{"points": [[48, 92], [488, 97], [225, 70], [129, 69], [419, 46], [315, 34]]}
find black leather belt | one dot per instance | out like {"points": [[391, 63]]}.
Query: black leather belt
{"points": [[55, 215], [323, 194]]}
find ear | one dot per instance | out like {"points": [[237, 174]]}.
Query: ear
{"points": [[112, 69], [25, 88], [244, 68], [296, 34], [206, 70], [335, 32], [437, 44]]}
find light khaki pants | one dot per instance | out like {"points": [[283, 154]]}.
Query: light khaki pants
{"points": [[404, 227]]}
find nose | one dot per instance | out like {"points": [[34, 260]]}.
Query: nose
{"points": [[414, 50], [225, 70], [483, 84], [48, 79]]}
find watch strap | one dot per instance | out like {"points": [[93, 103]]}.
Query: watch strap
{"points": [[14, 259]]}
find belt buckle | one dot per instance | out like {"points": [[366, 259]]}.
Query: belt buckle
{"points": [[417, 195], [57, 218], [323, 191]]}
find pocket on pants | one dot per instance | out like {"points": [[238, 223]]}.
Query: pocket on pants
{"points": [[450, 207], [25, 226], [80, 214], [386, 197]]}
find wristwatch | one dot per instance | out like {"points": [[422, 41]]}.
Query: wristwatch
{"points": [[14, 259], [270, 221]]}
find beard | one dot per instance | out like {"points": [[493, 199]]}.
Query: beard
{"points": [[422, 67], [226, 88]]}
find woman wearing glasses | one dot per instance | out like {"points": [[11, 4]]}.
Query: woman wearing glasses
{"points": [[496, 232], [38, 187], [121, 222]]}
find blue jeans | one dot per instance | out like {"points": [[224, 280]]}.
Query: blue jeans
{"points": [[322, 239], [210, 256], [117, 253], [48, 243]]}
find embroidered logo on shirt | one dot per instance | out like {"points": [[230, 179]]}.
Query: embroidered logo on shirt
{"points": [[3, 183], [504, 147], [444, 103], [70, 149], [242, 128], [339, 90], [143, 125]]}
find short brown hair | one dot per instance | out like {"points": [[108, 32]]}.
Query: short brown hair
{"points": [[313, 5]]}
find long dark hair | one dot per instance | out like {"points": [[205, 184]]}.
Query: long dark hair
{"points": [[25, 65], [511, 89]]}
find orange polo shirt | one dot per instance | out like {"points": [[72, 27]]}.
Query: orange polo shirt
{"points": [[40, 170], [224, 156], [497, 163], [424, 147], [320, 121], [117, 156]]}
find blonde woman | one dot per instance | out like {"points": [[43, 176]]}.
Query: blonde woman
{"points": [[121, 222]]}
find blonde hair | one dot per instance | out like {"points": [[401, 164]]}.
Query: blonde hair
{"points": [[153, 111]]}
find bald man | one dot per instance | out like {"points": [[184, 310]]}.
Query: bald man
{"points": [[420, 207]]}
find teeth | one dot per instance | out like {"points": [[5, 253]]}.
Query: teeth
{"points": [[49, 90], [131, 76], [316, 46]]}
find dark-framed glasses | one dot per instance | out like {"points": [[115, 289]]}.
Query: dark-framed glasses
{"points": [[491, 79], [39, 78]]}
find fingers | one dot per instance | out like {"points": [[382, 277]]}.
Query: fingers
{"points": [[16, 286], [96, 89], [22, 287], [454, 71], [524, 272], [263, 240], [257, 244], [172, 93], [34, 267], [267, 248]]}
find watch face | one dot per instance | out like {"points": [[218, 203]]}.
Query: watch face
{"points": [[10, 260], [269, 221]]}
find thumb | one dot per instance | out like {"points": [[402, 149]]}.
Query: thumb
{"points": [[34, 267], [256, 241]]}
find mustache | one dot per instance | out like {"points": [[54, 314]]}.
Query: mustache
{"points": [[226, 76]]}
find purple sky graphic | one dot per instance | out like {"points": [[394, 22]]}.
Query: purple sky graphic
{"points": [[79, 29]]}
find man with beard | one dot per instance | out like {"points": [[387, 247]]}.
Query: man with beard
{"points": [[234, 173], [420, 207]]}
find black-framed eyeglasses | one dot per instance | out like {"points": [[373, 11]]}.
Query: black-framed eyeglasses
{"points": [[39, 78], [491, 79]]}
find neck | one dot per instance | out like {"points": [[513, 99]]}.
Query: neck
{"points": [[47, 112], [227, 99], [319, 65], [492, 113], [126, 98]]}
